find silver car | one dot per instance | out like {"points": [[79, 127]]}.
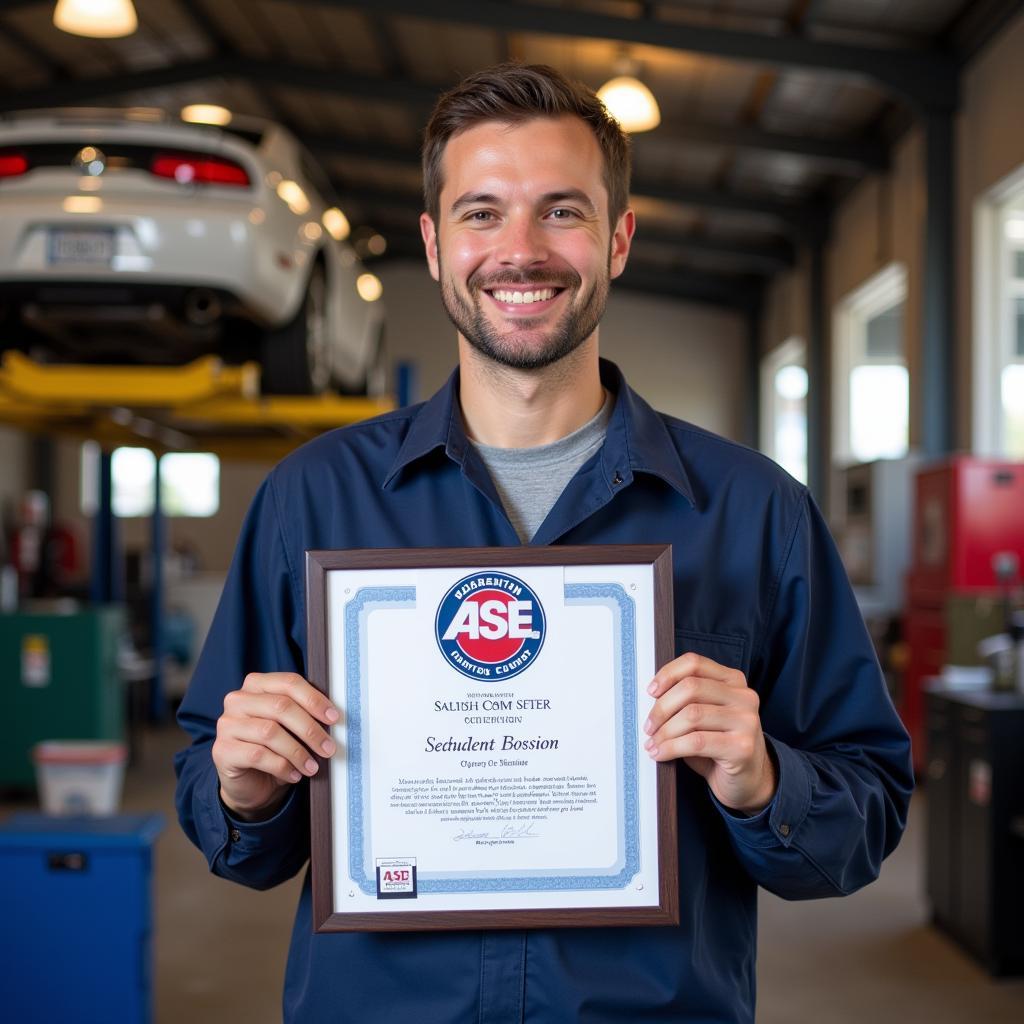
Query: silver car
{"points": [[130, 235]]}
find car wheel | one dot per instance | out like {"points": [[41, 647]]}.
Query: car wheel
{"points": [[296, 357]]}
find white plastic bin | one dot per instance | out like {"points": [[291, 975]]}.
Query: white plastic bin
{"points": [[80, 776]]}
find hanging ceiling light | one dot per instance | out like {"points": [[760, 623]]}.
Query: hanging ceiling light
{"points": [[628, 100], [100, 19]]}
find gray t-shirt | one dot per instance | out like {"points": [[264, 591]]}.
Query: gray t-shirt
{"points": [[530, 480]]}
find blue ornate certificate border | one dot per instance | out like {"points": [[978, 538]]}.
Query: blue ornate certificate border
{"points": [[361, 866]]}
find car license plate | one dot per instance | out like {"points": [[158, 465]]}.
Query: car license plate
{"points": [[72, 245]]}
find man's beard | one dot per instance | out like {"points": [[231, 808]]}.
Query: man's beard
{"points": [[514, 349]]}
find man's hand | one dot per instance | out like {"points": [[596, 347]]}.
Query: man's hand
{"points": [[264, 739], [706, 714]]}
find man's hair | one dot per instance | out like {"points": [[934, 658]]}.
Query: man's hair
{"points": [[513, 93]]}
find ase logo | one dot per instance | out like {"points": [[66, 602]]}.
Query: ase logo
{"points": [[490, 626], [396, 878]]}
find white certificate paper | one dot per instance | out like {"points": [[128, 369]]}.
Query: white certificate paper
{"points": [[491, 745]]}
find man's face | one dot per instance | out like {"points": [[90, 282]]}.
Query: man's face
{"points": [[523, 249]]}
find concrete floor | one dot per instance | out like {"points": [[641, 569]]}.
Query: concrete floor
{"points": [[220, 949]]}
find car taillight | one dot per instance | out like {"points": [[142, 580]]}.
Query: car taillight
{"points": [[12, 164], [198, 170]]}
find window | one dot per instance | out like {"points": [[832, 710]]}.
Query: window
{"points": [[998, 343], [784, 407], [871, 385], [189, 482], [1011, 377]]}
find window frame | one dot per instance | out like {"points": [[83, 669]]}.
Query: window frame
{"points": [[993, 326], [882, 291], [792, 351]]}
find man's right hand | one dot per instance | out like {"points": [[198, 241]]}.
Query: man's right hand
{"points": [[265, 737]]}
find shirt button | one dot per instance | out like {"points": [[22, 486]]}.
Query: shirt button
{"points": [[783, 830], [617, 480], [235, 835]]}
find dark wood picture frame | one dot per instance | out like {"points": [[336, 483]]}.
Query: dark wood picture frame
{"points": [[325, 919]]}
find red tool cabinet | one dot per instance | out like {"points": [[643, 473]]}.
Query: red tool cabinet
{"points": [[965, 511]]}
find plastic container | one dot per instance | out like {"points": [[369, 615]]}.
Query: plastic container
{"points": [[80, 776]]}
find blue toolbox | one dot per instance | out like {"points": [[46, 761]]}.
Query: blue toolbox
{"points": [[77, 918]]}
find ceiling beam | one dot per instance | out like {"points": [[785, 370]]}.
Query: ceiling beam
{"points": [[978, 22], [222, 66], [928, 79], [851, 156]]}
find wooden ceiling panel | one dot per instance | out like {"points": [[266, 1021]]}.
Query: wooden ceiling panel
{"points": [[664, 160], [403, 180], [663, 215], [353, 44], [243, 24], [916, 17], [773, 174], [18, 66], [354, 117], [824, 107], [293, 27], [442, 54], [86, 58]]}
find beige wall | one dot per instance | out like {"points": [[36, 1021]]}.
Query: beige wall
{"points": [[883, 220]]}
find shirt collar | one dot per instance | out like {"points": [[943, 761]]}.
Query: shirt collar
{"points": [[637, 440]]}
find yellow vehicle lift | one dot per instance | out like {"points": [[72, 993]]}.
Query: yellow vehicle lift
{"points": [[202, 406]]}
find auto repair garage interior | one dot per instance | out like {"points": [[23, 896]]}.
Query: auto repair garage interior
{"points": [[828, 267]]}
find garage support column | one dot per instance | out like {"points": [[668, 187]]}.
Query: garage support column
{"points": [[752, 426], [817, 453], [106, 582], [158, 543], [938, 356]]}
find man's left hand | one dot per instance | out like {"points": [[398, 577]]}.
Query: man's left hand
{"points": [[706, 714]]}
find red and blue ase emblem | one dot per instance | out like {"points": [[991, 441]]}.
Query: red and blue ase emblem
{"points": [[490, 626]]}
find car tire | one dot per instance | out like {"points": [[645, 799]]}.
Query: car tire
{"points": [[296, 357]]}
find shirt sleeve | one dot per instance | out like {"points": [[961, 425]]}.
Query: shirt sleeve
{"points": [[258, 627], [843, 756]]}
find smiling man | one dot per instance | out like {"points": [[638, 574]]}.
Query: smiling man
{"points": [[793, 770]]}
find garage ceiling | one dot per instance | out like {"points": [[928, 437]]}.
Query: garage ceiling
{"points": [[771, 109]]}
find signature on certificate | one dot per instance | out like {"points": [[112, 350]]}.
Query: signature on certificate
{"points": [[507, 832]]}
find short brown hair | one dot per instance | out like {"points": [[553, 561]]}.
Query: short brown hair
{"points": [[514, 92]]}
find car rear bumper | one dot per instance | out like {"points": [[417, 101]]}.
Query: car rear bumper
{"points": [[123, 254]]}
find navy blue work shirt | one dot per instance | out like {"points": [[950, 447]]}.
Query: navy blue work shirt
{"points": [[758, 587]]}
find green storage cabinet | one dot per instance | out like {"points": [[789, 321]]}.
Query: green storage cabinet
{"points": [[59, 680]]}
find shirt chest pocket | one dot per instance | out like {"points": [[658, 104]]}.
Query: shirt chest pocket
{"points": [[726, 649]]}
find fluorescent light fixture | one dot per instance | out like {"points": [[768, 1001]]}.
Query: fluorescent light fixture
{"points": [[206, 113], [369, 287], [336, 223], [98, 19], [631, 103]]}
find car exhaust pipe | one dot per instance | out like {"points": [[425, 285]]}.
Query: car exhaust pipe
{"points": [[202, 307]]}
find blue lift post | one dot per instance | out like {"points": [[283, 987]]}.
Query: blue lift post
{"points": [[158, 543], [106, 582], [405, 383]]}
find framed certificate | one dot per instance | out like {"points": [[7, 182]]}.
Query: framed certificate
{"points": [[491, 770]]}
